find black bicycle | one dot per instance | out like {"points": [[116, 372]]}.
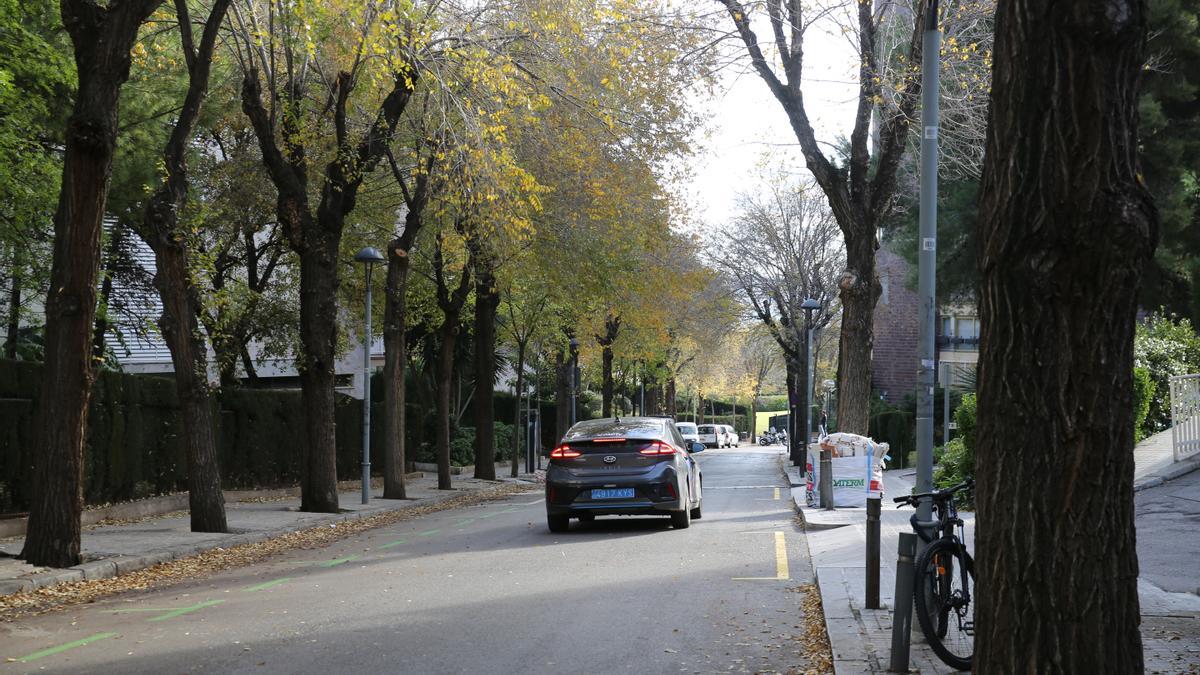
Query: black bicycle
{"points": [[945, 579]]}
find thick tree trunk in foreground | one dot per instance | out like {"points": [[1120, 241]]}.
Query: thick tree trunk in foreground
{"points": [[395, 321], [612, 328], [487, 302], [1068, 229], [102, 38]]}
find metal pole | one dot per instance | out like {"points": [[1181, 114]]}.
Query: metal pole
{"points": [[809, 384], [826, 479], [927, 256], [945, 403], [574, 385], [902, 610], [873, 507], [366, 442]]}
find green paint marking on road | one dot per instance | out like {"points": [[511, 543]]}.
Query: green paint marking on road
{"points": [[62, 648], [427, 533], [339, 561], [268, 584], [144, 609], [393, 543], [496, 513], [186, 610], [468, 521]]}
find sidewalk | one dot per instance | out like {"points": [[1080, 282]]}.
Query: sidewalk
{"points": [[118, 548], [861, 637]]}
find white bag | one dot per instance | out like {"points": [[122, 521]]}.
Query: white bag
{"points": [[857, 470]]}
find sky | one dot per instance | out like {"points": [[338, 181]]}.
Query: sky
{"points": [[748, 123]]}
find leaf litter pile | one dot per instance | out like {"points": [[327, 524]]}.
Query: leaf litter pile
{"points": [[46, 599], [813, 639]]}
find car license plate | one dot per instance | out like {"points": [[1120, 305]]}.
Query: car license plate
{"points": [[617, 493]]}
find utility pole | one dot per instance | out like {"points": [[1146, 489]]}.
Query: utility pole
{"points": [[927, 255]]}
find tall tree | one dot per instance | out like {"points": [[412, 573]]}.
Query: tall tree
{"points": [[1067, 230], [179, 323], [292, 51], [102, 35], [859, 192], [786, 238]]}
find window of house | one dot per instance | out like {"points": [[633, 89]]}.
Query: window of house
{"points": [[947, 326], [968, 329]]}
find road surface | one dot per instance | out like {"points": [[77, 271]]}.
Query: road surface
{"points": [[483, 589]]}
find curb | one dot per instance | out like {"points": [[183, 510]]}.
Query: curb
{"points": [[107, 568], [1172, 472]]}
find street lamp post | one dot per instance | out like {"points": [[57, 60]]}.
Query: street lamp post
{"points": [[368, 257], [574, 344]]}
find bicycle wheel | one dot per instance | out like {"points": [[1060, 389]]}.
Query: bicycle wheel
{"points": [[943, 594]]}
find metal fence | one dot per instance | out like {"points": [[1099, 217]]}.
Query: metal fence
{"points": [[1185, 416]]}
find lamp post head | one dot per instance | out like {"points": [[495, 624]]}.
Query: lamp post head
{"points": [[809, 305], [574, 343], [369, 256]]}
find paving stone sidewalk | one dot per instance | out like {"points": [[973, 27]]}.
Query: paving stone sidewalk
{"points": [[861, 637], [112, 549]]}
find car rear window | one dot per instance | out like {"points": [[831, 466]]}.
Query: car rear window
{"points": [[614, 428], [706, 428]]}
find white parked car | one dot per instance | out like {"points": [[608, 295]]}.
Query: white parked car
{"points": [[688, 431], [711, 435], [731, 436]]}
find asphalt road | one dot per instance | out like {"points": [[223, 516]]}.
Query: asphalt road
{"points": [[478, 589], [1168, 519]]}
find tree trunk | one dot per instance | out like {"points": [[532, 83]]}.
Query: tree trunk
{"points": [[445, 378], [318, 332], [562, 394], [860, 289], [179, 322], [487, 301], [1068, 228], [14, 307], [395, 319], [102, 38], [753, 418], [794, 455], [517, 428]]}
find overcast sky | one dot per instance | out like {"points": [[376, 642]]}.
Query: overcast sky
{"points": [[747, 122]]}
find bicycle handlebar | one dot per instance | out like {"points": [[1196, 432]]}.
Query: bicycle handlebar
{"points": [[936, 495]]}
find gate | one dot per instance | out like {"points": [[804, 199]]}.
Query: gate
{"points": [[1185, 416]]}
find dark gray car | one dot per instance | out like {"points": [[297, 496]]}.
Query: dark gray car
{"points": [[627, 466]]}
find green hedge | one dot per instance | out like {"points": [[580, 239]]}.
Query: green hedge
{"points": [[134, 446]]}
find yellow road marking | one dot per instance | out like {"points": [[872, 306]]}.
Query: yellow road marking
{"points": [[776, 494], [782, 572]]}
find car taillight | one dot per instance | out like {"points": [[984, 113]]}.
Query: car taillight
{"points": [[658, 448], [564, 452]]}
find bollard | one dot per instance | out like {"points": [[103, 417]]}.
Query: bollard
{"points": [[902, 606], [873, 507], [827, 479]]}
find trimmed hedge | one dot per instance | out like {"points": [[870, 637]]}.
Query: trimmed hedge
{"points": [[134, 446]]}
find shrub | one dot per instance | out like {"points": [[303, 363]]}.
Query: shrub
{"points": [[1143, 394], [1166, 347], [956, 461], [462, 446]]}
